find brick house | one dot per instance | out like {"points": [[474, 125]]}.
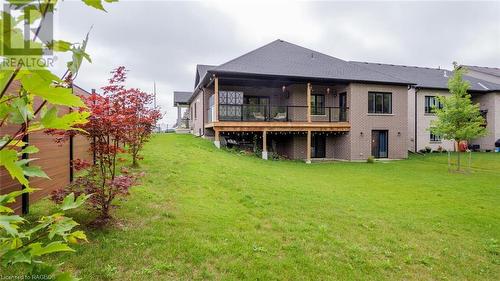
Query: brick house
{"points": [[432, 82], [283, 99], [301, 104]]}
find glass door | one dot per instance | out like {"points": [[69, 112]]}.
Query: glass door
{"points": [[318, 146], [380, 143]]}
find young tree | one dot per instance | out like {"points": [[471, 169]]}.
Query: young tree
{"points": [[459, 119], [140, 122], [106, 130]]}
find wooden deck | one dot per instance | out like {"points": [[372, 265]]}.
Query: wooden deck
{"points": [[280, 126]]}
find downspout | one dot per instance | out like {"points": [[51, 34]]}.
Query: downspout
{"points": [[416, 120], [203, 112]]}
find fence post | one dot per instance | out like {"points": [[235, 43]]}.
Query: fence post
{"points": [[25, 198]]}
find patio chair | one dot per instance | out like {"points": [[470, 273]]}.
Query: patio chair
{"points": [[280, 116], [259, 116]]}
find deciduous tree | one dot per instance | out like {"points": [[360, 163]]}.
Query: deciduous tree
{"points": [[458, 119]]}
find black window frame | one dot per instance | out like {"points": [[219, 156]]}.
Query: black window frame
{"points": [[317, 108], [430, 102], [374, 108], [434, 138]]}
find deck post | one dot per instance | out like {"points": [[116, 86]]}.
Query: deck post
{"points": [[217, 139], [216, 98], [308, 148], [264, 145], [308, 102]]}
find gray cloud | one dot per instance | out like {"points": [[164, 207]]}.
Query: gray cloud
{"points": [[163, 41]]}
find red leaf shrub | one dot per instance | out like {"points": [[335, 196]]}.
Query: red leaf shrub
{"points": [[118, 116]]}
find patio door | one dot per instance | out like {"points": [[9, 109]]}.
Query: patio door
{"points": [[318, 146], [380, 141]]}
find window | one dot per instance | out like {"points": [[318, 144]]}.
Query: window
{"points": [[484, 114], [432, 102], [195, 111], [317, 104], [435, 138], [379, 103]]}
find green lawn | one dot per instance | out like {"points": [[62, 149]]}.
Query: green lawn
{"points": [[203, 213]]}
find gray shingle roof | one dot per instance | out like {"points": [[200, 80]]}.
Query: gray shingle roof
{"points": [[181, 97], [427, 77], [201, 71], [488, 70], [281, 58]]}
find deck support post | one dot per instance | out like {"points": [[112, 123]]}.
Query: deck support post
{"points": [[264, 145], [308, 148], [309, 88], [216, 98], [217, 139]]}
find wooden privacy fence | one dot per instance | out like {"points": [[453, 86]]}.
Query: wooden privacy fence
{"points": [[55, 159]]}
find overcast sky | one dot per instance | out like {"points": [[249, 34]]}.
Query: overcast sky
{"points": [[163, 41]]}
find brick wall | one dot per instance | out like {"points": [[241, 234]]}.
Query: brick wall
{"points": [[363, 122]]}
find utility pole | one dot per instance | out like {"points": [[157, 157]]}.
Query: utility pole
{"points": [[154, 101], [154, 91]]}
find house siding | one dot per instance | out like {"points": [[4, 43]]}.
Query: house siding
{"points": [[490, 102], [424, 122], [196, 119], [362, 123]]}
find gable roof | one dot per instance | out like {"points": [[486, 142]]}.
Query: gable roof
{"points": [[487, 70], [425, 77], [281, 58], [201, 71], [181, 97]]}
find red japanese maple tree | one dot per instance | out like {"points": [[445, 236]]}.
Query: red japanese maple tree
{"points": [[118, 116], [141, 121]]}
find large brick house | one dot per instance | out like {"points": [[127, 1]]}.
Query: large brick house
{"points": [[295, 102]]}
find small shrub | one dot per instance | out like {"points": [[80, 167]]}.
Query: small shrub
{"points": [[370, 159], [422, 151], [428, 149], [102, 191]]}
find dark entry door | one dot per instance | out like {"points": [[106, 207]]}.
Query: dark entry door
{"points": [[318, 146], [342, 107], [380, 143]]}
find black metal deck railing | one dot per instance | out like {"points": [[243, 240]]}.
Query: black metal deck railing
{"points": [[285, 113]]}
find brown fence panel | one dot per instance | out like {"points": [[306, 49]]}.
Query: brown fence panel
{"points": [[81, 148], [53, 158]]}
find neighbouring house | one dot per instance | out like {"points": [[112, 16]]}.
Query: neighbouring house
{"points": [[181, 102], [433, 82], [491, 74], [287, 100]]}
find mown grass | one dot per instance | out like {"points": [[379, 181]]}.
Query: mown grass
{"points": [[208, 214]]}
